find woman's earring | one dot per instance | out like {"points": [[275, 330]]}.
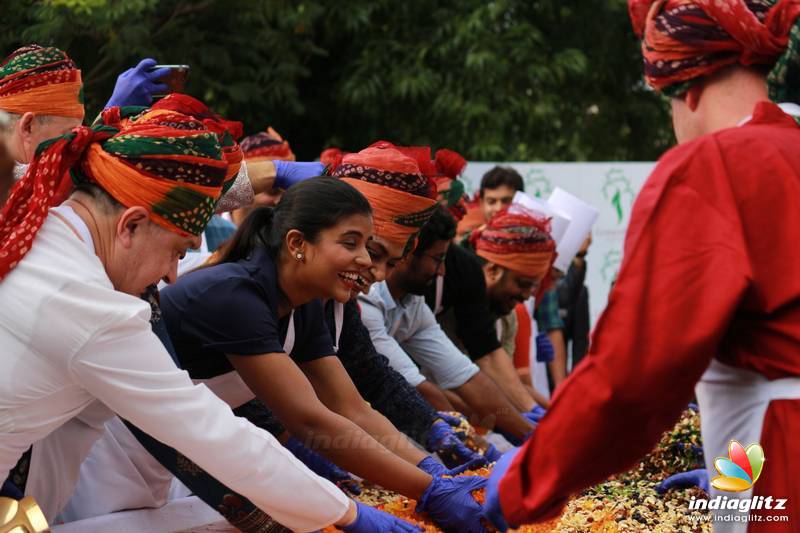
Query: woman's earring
{"points": [[299, 256]]}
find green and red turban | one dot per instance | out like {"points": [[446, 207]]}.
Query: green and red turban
{"points": [[167, 162], [518, 239], [228, 131], [444, 171], [401, 196], [41, 80], [449, 166], [267, 146], [684, 40]]}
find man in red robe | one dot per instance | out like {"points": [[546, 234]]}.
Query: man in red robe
{"points": [[708, 295]]}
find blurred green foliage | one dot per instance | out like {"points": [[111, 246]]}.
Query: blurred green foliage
{"points": [[499, 80]]}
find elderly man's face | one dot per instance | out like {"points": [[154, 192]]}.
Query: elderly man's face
{"points": [[143, 253], [31, 130]]}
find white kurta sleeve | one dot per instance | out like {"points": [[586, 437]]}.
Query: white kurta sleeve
{"points": [[125, 366], [439, 358], [373, 319]]}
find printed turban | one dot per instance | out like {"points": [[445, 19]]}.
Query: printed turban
{"points": [[267, 146], [519, 240], [164, 161], [684, 40], [41, 80], [401, 196], [227, 131]]}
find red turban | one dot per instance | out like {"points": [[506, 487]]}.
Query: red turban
{"points": [[401, 196], [687, 39], [519, 240]]}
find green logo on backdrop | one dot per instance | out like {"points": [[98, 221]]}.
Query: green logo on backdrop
{"points": [[536, 184], [618, 192], [611, 262]]}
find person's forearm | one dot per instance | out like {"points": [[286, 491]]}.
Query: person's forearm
{"points": [[385, 433], [500, 368], [386, 390], [262, 175], [538, 396], [492, 406], [460, 405], [435, 396], [349, 447], [558, 367]]}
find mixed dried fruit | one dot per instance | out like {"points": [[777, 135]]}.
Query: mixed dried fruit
{"points": [[626, 502]]}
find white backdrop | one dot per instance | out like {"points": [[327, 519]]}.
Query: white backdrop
{"points": [[610, 187]]}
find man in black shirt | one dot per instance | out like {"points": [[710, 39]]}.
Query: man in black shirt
{"points": [[464, 311]]}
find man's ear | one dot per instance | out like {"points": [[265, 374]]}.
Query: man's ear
{"points": [[130, 223], [25, 125], [493, 271], [693, 96]]}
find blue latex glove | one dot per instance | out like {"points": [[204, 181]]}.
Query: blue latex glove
{"points": [[544, 349], [692, 478], [492, 454], [288, 173], [694, 407], [369, 520], [454, 421], [322, 467], [444, 441], [137, 85], [535, 414], [449, 502], [492, 506], [435, 468]]}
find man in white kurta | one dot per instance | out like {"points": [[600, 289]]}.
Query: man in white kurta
{"points": [[69, 339]]}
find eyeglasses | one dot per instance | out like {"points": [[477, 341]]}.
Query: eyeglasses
{"points": [[438, 259]]}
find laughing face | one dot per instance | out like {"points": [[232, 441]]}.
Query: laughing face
{"points": [[337, 262], [385, 256], [507, 288]]}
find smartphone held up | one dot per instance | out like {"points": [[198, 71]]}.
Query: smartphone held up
{"points": [[175, 79]]}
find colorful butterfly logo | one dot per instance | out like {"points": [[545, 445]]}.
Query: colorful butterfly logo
{"points": [[740, 470]]}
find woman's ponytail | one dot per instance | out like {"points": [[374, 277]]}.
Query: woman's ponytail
{"points": [[254, 232]]}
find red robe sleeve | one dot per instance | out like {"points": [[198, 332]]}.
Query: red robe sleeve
{"points": [[685, 268]]}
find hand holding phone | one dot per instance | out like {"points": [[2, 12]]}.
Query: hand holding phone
{"points": [[174, 79], [138, 86]]}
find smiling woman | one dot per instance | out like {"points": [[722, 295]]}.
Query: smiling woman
{"points": [[253, 325], [316, 236]]}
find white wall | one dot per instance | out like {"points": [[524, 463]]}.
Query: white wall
{"points": [[611, 187]]}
